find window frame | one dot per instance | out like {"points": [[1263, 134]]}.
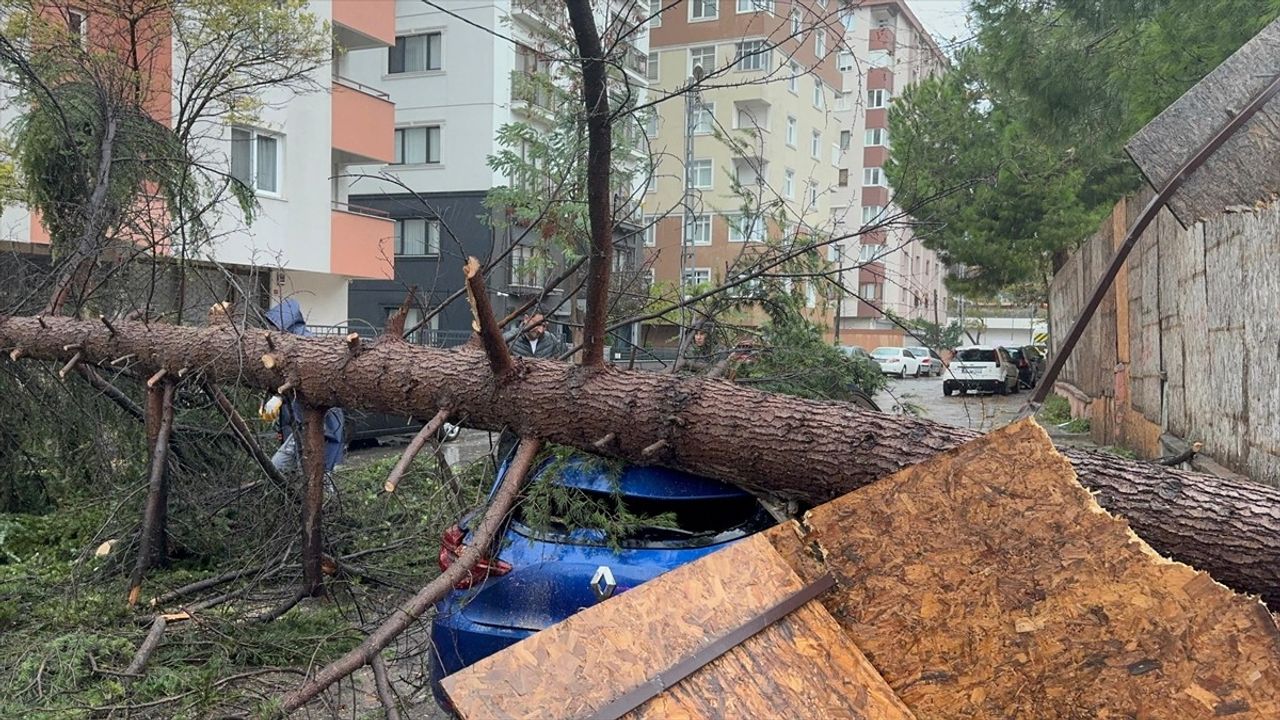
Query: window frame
{"points": [[879, 95], [819, 95], [755, 6], [736, 222], [792, 132], [399, 149], [789, 183], [714, 5], [875, 172], [431, 238], [438, 45], [656, 8], [842, 57], [876, 137], [81, 30], [763, 56], [815, 145], [689, 276], [696, 220], [820, 43], [254, 135], [652, 65], [870, 213], [649, 236], [793, 82], [695, 170], [701, 49], [703, 110], [797, 23]]}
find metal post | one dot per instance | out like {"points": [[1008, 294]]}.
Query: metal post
{"points": [[692, 103]]}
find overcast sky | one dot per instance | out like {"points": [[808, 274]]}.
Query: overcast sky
{"points": [[943, 18]]}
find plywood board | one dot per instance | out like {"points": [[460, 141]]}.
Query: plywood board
{"points": [[803, 662], [1243, 171], [987, 583]]}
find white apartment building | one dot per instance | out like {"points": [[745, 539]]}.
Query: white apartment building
{"points": [[310, 242], [887, 49], [456, 75]]}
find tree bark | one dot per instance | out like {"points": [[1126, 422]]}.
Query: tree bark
{"points": [[152, 537], [312, 447], [595, 94], [788, 447]]}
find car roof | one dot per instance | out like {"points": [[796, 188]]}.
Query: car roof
{"points": [[977, 347], [590, 473]]}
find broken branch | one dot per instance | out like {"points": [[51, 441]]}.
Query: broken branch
{"points": [[152, 537], [483, 322], [71, 365], [413, 449], [481, 540], [148, 646], [383, 684]]}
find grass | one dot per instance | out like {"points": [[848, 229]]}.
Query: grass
{"points": [[1057, 411]]}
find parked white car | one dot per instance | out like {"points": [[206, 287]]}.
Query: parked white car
{"points": [[930, 362], [981, 367], [896, 361]]}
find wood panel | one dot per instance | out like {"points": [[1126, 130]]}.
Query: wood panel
{"points": [[577, 667], [987, 583], [1237, 173]]}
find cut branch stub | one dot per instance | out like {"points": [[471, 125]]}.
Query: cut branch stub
{"points": [[483, 322], [157, 377], [394, 329], [71, 365]]}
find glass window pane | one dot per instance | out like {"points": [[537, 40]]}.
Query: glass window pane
{"points": [[399, 149], [398, 234], [415, 53], [415, 237], [432, 154], [266, 164], [242, 156], [415, 145], [433, 237], [433, 51]]}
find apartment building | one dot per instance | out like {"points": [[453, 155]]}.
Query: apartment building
{"points": [[803, 89], [886, 49], [754, 153], [457, 76], [305, 241]]}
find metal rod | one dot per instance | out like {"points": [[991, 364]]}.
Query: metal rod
{"points": [[1139, 226]]}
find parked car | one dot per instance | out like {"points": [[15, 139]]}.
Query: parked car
{"points": [[930, 361], [1039, 362], [981, 367], [896, 361], [546, 571], [1030, 367], [855, 352]]}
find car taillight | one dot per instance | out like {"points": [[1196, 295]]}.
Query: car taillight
{"points": [[1022, 363], [451, 546]]}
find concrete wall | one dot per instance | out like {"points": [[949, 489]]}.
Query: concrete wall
{"points": [[1185, 343]]}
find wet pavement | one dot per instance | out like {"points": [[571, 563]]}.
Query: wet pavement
{"points": [[975, 411]]}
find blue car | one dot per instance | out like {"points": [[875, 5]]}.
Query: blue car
{"points": [[547, 569]]}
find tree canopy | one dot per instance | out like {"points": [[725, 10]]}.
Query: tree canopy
{"points": [[1025, 135]]}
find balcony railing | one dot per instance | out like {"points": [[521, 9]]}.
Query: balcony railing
{"points": [[532, 89], [359, 209], [366, 89]]}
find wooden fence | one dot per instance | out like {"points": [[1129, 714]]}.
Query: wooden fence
{"points": [[1191, 351]]}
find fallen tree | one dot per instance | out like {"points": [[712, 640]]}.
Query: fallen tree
{"points": [[791, 448]]}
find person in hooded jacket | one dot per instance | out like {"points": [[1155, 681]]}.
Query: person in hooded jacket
{"points": [[287, 316]]}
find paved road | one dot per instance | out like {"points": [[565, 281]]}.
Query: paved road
{"points": [[973, 411]]}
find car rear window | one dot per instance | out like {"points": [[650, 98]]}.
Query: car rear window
{"points": [[549, 507], [919, 352], [1015, 353], [886, 352], [974, 355]]}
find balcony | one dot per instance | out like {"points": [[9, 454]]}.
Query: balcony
{"points": [[362, 24], [364, 121], [361, 242], [880, 79], [636, 63], [532, 93], [881, 39], [539, 13]]}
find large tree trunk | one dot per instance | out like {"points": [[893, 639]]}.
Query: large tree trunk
{"points": [[807, 450]]}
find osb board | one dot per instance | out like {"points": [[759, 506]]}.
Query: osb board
{"points": [[987, 583], [573, 669]]}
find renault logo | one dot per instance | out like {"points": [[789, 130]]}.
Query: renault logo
{"points": [[603, 584]]}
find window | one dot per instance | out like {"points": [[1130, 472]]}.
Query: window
{"points": [[867, 291], [793, 81], [697, 276], [845, 136], [820, 43], [526, 267], [789, 184], [414, 53], [655, 12], [651, 68], [752, 55], [650, 230], [877, 137], [877, 99], [844, 60], [815, 145], [871, 213], [704, 118], [872, 177], [843, 180], [78, 24], [811, 197], [836, 155], [746, 228], [795, 23], [255, 160], [869, 253], [650, 277], [417, 145], [748, 6], [704, 57], [817, 93], [417, 237], [698, 230], [878, 59], [847, 19], [651, 124], [703, 9], [700, 174], [791, 131]]}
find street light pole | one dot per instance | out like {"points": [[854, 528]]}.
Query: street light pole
{"points": [[692, 105]]}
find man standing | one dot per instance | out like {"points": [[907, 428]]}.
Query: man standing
{"points": [[287, 316], [534, 341]]}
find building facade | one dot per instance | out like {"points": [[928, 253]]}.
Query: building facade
{"points": [[886, 49], [305, 240], [458, 78], [791, 127]]}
